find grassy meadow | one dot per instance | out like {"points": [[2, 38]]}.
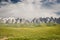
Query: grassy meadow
{"points": [[30, 31]]}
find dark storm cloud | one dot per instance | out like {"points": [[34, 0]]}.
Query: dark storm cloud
{"points": [[58, 13], [58, 1], [54, 5], [47, 4], [15, 1]]}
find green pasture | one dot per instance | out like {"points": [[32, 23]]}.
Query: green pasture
{"points": [[30, 31]]}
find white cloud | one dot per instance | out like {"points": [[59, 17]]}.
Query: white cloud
{"points": [[22, 9]]}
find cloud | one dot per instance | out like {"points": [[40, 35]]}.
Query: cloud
{"points": [[58, 13], [15, 1], [58, 1], [27, 9]]}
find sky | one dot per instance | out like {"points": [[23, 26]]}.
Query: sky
{"points": [[30, 8]]}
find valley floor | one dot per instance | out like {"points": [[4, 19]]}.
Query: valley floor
{"points": [[30, 33]]}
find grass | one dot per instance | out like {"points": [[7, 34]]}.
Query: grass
{"points": [[30, 32]]}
